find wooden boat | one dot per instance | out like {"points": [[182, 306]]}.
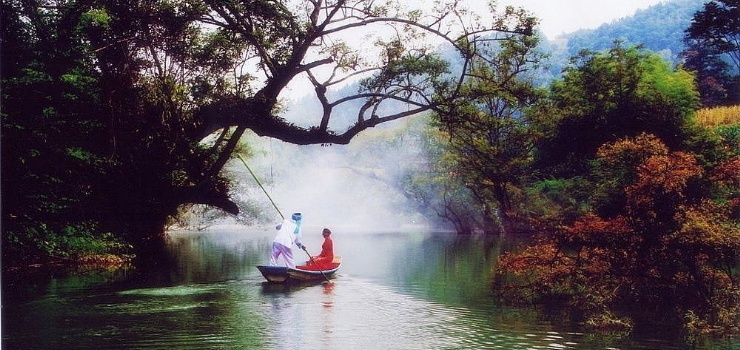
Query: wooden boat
{"points": [[305, 272]]}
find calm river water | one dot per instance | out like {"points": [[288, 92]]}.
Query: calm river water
{"points": [[395, 291]]}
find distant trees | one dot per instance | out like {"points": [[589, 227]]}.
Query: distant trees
{"points": [[439, 189], [717, 27], [659, 28], [488, 136], [713, 51]]}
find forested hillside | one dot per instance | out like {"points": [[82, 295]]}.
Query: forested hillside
{"points": [[659, 28]]}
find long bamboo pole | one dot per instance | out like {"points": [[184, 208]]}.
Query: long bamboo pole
{"points": [[262, 187]]}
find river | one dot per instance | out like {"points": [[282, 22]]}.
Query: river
{"points": [[402, 290]]}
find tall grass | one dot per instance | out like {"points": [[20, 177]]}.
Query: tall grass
{"points": [[718, 116]]}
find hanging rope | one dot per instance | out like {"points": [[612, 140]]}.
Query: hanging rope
{"points": [[259, 183]]}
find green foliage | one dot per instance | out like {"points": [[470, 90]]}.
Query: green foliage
{"points": [[557, 199], [426, 70], [120, 112], [715, 139], [490, 143], [95, 17], [71, 243], [608, 95], [52, 127], [84, 138], [730, 135]]}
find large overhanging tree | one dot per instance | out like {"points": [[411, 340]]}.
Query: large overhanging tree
{"points": [[148, 99]]}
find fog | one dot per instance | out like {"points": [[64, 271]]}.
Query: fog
{"points": [[336, 186]]}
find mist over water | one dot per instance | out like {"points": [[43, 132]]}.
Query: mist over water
{"points": [[330, 184]]}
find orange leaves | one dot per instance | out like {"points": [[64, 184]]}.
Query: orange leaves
{"points": [[726, 177], [592, 230], [545, 254], [632, 151], [656, 169], [661, 183], [652, 180], [665, 174], [706, 234]]}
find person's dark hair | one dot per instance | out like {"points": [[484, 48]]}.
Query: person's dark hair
{"points": [[326, 230]]}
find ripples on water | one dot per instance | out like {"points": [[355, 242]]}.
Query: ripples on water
{"points": [[350, 313], [422, 304]]}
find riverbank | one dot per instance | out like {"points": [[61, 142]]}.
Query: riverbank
{"points": [[82, 263]]}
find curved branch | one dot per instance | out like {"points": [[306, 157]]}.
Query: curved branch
{"points": [[204, 195], [284, 62]]}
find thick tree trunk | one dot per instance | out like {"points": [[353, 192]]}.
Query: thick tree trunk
{"points": [[148, 237]]}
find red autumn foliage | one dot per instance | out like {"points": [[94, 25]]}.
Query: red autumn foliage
{"points": [[666, 250]]}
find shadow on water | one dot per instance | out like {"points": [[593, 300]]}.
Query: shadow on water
{"points": [[405, 290], [292, 287]]}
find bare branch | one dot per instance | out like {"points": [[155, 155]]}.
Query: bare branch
{"points": [[313, 40]]}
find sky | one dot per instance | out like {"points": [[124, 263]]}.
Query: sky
{"points": [[556, 17], [566, 16]]}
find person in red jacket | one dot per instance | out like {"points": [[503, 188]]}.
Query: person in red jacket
{"points": [[325, 258]]}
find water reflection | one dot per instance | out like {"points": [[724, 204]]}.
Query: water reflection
{"points": [[394, 291]]}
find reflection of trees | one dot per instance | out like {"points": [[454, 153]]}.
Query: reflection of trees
{"points": [[452, 269], [203, 258]]}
